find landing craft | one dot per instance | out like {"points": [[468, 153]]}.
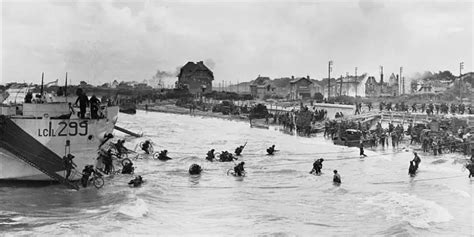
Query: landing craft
{"points": [[35, 136]]}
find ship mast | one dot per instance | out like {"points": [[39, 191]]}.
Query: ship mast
{"points": [[65, 88], [41, 92]]}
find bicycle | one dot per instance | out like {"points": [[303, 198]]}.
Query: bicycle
{"points": [[121, 158], [232, 172], [123, 162], [97, 180], [151, 150]]}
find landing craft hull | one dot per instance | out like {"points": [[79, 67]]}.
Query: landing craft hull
{"points": [[85, 136]]}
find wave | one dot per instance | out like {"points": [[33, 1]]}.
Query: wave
{"points": [[276, 187], [455, 191], [190, 159], [12, 220], [438, 161], [136, 209], [419, 213], [460, 192], [320, 224], [400, 229], [281, 172], [439, 167], [92, 211]]}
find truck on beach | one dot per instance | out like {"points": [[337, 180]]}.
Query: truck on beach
{"points": [[348, 137]]}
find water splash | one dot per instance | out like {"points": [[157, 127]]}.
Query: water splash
{"points": [[136, 209], [418, 212]]}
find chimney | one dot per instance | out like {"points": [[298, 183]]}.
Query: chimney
{"points": [[292, 77], [200, 62], [307, 77], [381, 74]]}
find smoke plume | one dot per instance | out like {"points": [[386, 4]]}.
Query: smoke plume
{"points": [[163, 79]]}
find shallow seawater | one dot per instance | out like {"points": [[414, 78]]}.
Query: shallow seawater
{"points": [[277, 197]]}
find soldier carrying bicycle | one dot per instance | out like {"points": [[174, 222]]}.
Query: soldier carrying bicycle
{"points": [[96, 179], [121, 149], [86, 174]]}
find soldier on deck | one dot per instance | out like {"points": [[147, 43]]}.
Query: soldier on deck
{"points": [[83, 102]]}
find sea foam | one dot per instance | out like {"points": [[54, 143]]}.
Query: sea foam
{"points": [[418, 212], [136, 209]]}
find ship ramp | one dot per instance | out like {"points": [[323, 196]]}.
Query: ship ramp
{"points": [[128, 131], [31, 151]]}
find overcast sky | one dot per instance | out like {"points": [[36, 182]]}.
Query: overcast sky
{"points": [[130, 40]]}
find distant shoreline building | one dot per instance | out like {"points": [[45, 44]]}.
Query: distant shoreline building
{"points": [[285, 87], [261, 87], [196, 77], [376, 89], [300, 88], [114, 84], [350, 86]]}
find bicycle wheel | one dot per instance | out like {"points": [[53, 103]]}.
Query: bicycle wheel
{"points": [[156, 155], [122, 155], [98, 182], [126, 161]]}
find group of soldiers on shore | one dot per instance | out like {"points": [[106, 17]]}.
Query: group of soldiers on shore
{"points": [[302, 118], [439, 142], [378, 136], [288, 119], [381, 136], [443, 141], [430, 108]]}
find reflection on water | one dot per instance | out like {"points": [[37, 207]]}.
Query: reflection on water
{"points": [[276, 197]]}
